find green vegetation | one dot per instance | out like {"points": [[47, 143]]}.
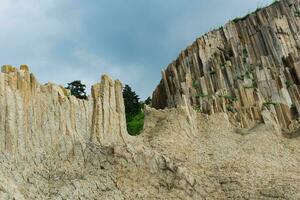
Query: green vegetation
{"points": [[247, 75], [293, 106], [269, 103], [133, 111], [135, 124], [201, 95], [212, 72], [230, 108], [77, 89], [148, 101], [231, 99], [195, 84], [222, 66], [289, 83], [297, 13], [253, 86], [235, 20], [245, 53], [240, 78], [197, 108], [259, 7]]}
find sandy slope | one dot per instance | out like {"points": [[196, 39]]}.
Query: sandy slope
{"points": [[180, 155]]}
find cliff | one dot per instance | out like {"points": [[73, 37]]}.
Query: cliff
{"points": [[34, 116], [249, 69], [55, 146]]}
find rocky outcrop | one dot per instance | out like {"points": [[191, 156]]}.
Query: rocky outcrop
{"points": [[55, 146], [47, 117], [249, 65]]}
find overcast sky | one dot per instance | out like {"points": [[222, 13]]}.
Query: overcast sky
{"points": [[130, 40]]}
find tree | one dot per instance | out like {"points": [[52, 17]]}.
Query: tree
{"points": [[77, 89], [148, 101], [133, 110], [131, 102]]}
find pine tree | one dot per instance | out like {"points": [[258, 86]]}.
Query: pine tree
{"points": [[133, 110], [131, 102], [77, 89], [148, 101]]}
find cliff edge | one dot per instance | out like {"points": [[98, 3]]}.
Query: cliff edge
{"points": [[246, 68]]}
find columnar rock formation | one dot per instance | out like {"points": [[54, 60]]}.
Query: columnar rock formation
{"points": [[249, 68], [34, 116]]}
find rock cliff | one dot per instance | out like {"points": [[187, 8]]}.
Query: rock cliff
{"points": [[34, 116], [55, 146], [249, 68]]}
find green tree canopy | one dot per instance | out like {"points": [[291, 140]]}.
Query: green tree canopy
{"points": [[133, 110], [77, 89], [131, 101], [148, 101]]}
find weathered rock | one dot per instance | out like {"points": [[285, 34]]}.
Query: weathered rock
{"points": [[34, 116], [249, 63], [55, 146]]}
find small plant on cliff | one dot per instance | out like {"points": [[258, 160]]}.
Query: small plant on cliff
{"points": [[77, 89], [289, 83], [269, 103], [231, 99], [201, 95], [133, 111], [297, 13], [230, 108], [195, 84]]}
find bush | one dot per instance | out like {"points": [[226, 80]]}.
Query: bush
{"points": [[77, 89], [135, 124], [289, 83], [230, 108], [133, 110], [269, 103]]}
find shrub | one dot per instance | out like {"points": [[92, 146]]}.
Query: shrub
{"points": [[135, 124], [133, 111], [77, 89], [212, 72], [201, 95], [231, 99], [269, 103], [230, 108], [131, 102], [195, 84], [222, 66], [289, 83]]}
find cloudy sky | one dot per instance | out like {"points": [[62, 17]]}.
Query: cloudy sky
{"points": [[132, 40]]}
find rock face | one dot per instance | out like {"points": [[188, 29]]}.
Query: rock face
{"points": [[249, 65], [54, 146], [34, 116]]}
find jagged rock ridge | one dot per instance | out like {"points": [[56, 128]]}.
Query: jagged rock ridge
{"points": [[54, 146], [250, 65], [46, 116]]}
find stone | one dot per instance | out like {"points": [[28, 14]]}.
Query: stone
{"points": [[55, 146], [256, 54]]}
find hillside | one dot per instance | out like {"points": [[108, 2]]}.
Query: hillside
{"points": [[249, 65], [224, 124]]}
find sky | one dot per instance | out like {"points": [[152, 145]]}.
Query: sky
{"points": [[130, 40]]}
